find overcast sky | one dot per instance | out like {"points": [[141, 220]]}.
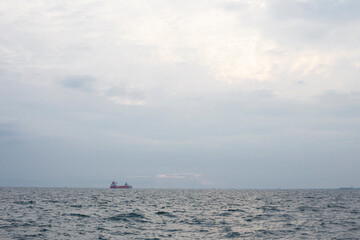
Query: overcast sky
{"points": [[180, 94]]}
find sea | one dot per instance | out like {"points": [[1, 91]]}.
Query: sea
{"points": [[65, 213]]}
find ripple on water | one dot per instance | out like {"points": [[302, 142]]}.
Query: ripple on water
{"points": [[233, 235], [79, 215], [167, 214], [25, 202], [132, 216]]}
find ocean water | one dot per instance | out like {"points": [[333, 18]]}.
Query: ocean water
{"points": [[45, 213]]}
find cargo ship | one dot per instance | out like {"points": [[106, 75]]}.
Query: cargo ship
{"points": [[115, 185]]}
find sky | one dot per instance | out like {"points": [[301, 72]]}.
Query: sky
{"points": [[180, 94]]}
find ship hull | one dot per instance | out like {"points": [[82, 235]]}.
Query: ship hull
{"points": [[126, 187]]}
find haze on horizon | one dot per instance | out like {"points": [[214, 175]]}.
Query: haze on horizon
{"points": [[180, 94]]}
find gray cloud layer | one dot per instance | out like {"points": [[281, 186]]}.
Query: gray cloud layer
{"points": [[246, 94]]}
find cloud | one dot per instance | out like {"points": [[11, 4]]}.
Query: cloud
{"points": [[185, 180], [246, 44], [189, 176], [125, 96], [83, 83], [8, 129], [328, 11]]}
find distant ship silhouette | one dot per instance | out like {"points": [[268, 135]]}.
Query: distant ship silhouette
{"points": [[115, 185]]}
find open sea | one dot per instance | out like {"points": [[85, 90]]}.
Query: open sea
{"points": [[63, 213]]}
